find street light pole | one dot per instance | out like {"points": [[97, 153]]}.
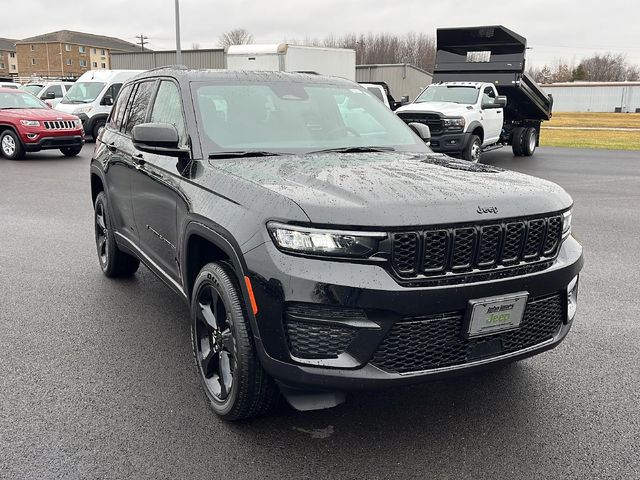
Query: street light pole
{"points": [[178, 51]]}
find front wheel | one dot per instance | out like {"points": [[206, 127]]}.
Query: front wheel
{"points": [[234, 382], [71, 151], [11, 146], [473, 149]]}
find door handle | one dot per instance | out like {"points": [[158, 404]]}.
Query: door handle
{"points": [[112, 147]]}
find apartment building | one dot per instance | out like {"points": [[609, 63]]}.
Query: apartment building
{"points": [[66, 53], [8, 58]]}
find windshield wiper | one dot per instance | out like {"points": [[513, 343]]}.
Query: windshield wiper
{"points": [[16, 108], [354, 150], [245, 154]]}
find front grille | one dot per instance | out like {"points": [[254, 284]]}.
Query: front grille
{"points": [[431, 120], [313, 332], [436, 341], [467, 248], [60, 125]]}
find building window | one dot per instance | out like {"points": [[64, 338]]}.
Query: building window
{"points": [[33, 61], [95, 50], [2, 66], [95, 64], [33, 47], [12, 54], [14, 67], [82, 49], [69, 61], [83, 63], [104, 65], [103, 52], [67, 48]]}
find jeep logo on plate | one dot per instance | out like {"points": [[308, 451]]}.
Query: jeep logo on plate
{"points": [[482, 210]]}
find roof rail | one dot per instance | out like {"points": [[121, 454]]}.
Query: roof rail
{"points": [[169, 67]]}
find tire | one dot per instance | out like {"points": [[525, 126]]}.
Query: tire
{"points": [[99, 125], [473, 150], [230, 373], [11, 146], [113, 262], [529, 141], [517, 138], [71, 151]]}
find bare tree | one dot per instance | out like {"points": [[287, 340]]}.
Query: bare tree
{"points": [[238, 36], [608, 67]]}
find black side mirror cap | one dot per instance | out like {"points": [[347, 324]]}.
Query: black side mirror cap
{"points": [[422, 131], [107, 100], [50, 96], [158, 138]]}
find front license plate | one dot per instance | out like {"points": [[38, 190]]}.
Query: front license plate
{"points": [[487, 316]]}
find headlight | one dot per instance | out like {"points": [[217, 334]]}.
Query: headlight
{"points": [[30, 123], [454, 123], [566, 224], [324, 242], [86, 109]]}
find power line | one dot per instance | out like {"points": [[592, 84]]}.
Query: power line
{"points": [[142, 39]]}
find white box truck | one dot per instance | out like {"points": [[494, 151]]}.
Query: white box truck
{"points": [[335, 62]]}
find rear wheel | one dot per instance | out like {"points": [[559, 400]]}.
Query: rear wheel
{"points": [[517, 138], [529, 141], [473, 149], [113, 261], [11, 146], [235, 383], [71, 151]]}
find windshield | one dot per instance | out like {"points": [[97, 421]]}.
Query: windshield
{"points": [[11, 100], [83, 92], [295, 117], [31, 88], [449, 93]]}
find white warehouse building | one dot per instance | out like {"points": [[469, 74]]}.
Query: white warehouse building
{"points": [[595, 96]]}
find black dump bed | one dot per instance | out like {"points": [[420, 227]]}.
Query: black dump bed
{"points": [[495, 55]]}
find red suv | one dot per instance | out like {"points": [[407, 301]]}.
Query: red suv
{"points": [[29, 125]]}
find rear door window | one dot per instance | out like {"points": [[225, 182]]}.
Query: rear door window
{"points": [[117, 114]]}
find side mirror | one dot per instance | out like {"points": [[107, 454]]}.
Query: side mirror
{"points": [[50, 95], [404, 99], [501, 100], [158, 138], [422, 131], [107, 100]]}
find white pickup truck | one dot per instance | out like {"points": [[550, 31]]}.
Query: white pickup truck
{"points": [[481, 97]]}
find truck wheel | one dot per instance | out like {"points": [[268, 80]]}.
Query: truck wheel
{"points": [[473, 149], [517, 138], [114, 262], [11, 146], [529, 142], [71, 151], [233, 380]]}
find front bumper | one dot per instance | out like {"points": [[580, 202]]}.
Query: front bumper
{"points": [[450, 142], [48, 142], [284, 280]]}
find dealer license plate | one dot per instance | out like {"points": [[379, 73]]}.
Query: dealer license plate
{"points": [[491, 315]]}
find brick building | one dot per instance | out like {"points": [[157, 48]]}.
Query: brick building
{"points": [[8, 58], [66, 53]]}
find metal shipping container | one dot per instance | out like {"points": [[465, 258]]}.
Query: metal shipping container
{"points": [[402, 78]]}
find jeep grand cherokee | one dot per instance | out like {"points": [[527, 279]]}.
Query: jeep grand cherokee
{"points": [[321, 246]]}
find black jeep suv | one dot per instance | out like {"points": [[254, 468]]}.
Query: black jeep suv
{"points": [[322, 247]]}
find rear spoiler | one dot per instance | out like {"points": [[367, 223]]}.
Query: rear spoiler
{"points": [[493, 49]]}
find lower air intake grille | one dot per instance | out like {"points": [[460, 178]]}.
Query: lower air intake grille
{"points": [[435, 341]]}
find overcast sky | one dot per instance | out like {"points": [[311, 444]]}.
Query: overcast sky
{"points": [[568, 29]]}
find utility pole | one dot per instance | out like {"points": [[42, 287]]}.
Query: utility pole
{"points": [[178, 51], [142, 40]]}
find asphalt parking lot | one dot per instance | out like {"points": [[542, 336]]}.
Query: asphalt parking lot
{"points": [[97, 378]]}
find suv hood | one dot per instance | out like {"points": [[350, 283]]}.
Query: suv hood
{"points": [[37, 114], [397, 189], [446, 109]]}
